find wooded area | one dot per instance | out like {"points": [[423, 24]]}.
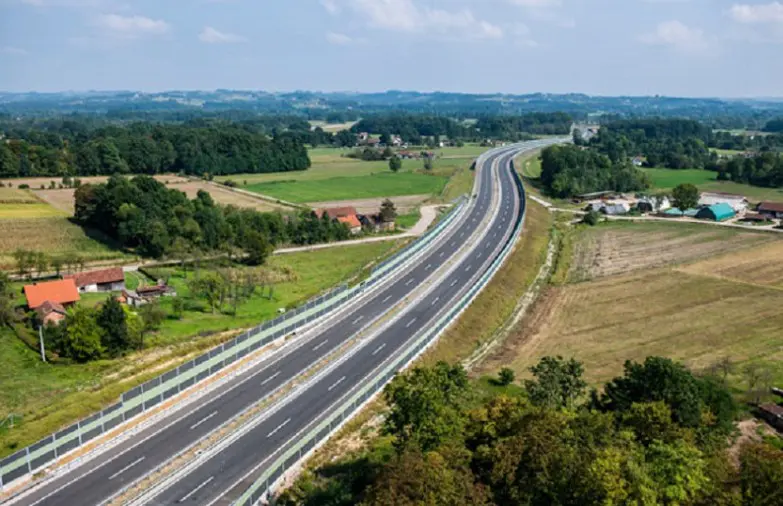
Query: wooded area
{"points": [[657, 435]]}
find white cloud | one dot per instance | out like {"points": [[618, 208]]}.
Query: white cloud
{"points": [[522, 36], [15, 51], [338, 39], [330, 6], [677, 35], [213, 36], [406, 16], [760, 13], [131, 26]]}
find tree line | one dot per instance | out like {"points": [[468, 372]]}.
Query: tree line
{"points": [[571, 170], [656, 435], [143, 214], [75, 149]]}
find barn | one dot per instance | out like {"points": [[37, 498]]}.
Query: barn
{"points": [[716, 212]]}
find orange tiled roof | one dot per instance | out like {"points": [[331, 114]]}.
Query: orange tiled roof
{"points": [[352, 221], [62, 291], [336, 212]]}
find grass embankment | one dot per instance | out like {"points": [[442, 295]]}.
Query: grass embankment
{"points": [[51, 396], [408, 220], [638, 289]]}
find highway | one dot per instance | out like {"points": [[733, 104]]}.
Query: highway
{"points": [[222, 478], [98, 480]]}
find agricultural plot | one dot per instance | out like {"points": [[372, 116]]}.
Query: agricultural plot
{"points": [[666, 179], [694, 297], [403, 205]]}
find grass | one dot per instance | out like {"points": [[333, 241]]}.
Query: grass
{"points": [[16, 196], [408, 220], [53, 235], [695, 296], [667, 179], [345, 188], [496, 302], [50, 396], [461, 183], [28, 210]]}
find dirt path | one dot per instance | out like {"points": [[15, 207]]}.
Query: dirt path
{"points": [[404, 204]]}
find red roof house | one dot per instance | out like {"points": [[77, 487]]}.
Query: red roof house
{"points": [[105, 280], [62, 291], [336, 212], [353, 223]]}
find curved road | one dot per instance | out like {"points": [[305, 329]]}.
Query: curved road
{"points": [[96, 481]]}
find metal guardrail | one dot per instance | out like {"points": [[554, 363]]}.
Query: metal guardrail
{"points": [[167, 385], [306, 443]]}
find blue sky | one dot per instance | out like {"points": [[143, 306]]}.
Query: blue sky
{"points": [[606, 47]]}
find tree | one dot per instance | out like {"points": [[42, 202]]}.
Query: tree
{"points": [[180, 249], [428, 163], [425, 406], [388, 211], [558, 383], [686, 196], [761, 474], [395, 164], [152, 316], [81, 340], [41, 262], [24, 263], [506, 376], [112, 321], [257, 248], [591, 218], [177, 307], [211, 286], [57, 264], [8, 314]]}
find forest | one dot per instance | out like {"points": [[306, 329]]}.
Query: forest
{"points": [[656, 435], [72, 148], [571, 170], [143, 214]]}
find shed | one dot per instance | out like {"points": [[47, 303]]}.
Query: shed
{"points": [[771, 209], [716, 212], [105, 280], [773, 414]]}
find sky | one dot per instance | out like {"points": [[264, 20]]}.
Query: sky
{"points": [[702, 48]]}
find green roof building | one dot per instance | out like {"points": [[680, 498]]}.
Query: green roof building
{"points": [[716, 212]]}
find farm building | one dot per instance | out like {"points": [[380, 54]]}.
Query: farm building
{"points": [[737, 202], [144, 294], [771, 209], [62, 292], [673, 212], [106, 280], [375, 223], [716, 212], [352, 222], [50, 312], [653, 204], [755, 218], [773, 414], [615, 209]]}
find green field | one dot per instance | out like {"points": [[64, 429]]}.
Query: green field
{"points": [[666, 179], [48, 396], [347, 188]]}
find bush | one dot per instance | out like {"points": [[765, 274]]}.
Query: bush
{"points": [[23, 186], [506, 377], [592, 218]]}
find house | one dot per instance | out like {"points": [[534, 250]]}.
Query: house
{"points": [[771, 209], [638, 161], [375, 223], [352, 222], [773, 414], [362, 137], [105, 280], [144, 294], [62, 291], [336, 212], [716, 212], [755, 218], [737, 202], [595, 195], [50, 312], [396, 141], [373, 142]]}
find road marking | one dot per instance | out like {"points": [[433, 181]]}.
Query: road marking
{"points": [[387, 298], [487, 246], [441, 254], [428, 267], [410, 323], [454, 282], [126, 468], [277, 429], [453, 243], [462, 234], [358, 319], [185, 498], [204, 419], [468, 268], [275, 375], [336, 383], [409, 281], [379, 349], [316, 347], [435, 301]]}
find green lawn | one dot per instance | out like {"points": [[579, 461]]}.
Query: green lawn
{"points": [[666, 179], [408, 220], [346, 188], [49, 397]]}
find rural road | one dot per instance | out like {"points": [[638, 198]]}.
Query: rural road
{"points": [[97, 480]]}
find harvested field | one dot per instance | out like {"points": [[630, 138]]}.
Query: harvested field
{"points": [[727, 305], [54, 235], [63, 199], [14, 196], [404, 204], [619, 248], [35, 182]]}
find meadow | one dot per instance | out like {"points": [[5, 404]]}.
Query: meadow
{"points": [[49, 396], [635, 290], [666, 179]]}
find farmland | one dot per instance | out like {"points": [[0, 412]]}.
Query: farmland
{"points": [[49, 396], [666, 179], [635, 290]]}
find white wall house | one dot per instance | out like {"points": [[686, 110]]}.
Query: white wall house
{"points": [[737, 202]]}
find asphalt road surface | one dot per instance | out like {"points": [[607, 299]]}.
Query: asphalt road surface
{"points": [[96, 481]]}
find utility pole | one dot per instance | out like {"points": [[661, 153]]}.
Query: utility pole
{"points": [[40, 340]]}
